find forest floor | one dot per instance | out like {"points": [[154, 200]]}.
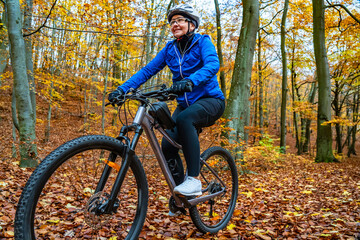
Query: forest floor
{"points": [[284, 196]]}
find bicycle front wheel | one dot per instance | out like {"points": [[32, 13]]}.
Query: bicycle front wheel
{"points": [[59, 197], [217, 174]]}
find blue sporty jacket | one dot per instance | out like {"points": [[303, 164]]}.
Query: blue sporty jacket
{"points": [[199, 63]]}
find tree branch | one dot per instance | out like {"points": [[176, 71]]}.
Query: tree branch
{"points": [[347, 10], [269, 3], [262, 28], [43, 25]]}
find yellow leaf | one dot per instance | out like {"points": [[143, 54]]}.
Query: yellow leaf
{"points": [[325, 235], [53, 221], [162, 198], [327, 214], [88, 190], [248, 194], [307, 191], [9, 234], [230, 227], [113, 238], [151, 227], [346, 193]]}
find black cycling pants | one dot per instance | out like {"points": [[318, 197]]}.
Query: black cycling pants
{"points": [[203, 113]]}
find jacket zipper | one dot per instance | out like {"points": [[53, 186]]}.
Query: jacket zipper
{"points": [[180, 63]]}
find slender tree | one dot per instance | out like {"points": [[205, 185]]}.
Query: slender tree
{"points": [[105, 87], [352, 132], [219, 48], [28, 53], [307, 132], [284, 80], [28, 152], [4, 56], [261, 85]]}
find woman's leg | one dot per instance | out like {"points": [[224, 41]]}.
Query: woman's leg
{"points": [[171, 153], [202, 113]]}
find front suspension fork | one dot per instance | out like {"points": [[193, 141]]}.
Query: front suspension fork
{"points": [[128, 155]]}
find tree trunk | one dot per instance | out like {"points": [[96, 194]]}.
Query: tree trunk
{"points": [[307, 133], [4, 56], [15, 124], [28, 152], [148, 41], [105, 88], [255, 106], [324, 134], [48, 120], [352, 140], [284, 81], [28, 53], [160, 76], [219, 48], [117, 58], [238, 106], [337, 112], [261, 88], [295, 117]]}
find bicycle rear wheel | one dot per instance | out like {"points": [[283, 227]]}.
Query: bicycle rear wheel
{"points": [[57, 200], [213, 215]]}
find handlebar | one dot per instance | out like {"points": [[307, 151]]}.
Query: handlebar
{"points": [[162, 94]]}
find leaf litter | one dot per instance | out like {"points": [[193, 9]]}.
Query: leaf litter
{"points": [[296, 198]]}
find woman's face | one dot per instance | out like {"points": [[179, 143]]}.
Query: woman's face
{"points": [[179, 26]]}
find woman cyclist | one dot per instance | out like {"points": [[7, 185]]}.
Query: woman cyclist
{"points": [[193, 61]]}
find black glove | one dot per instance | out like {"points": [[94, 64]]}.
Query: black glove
{"points": [[115, 95], [182, 86]]}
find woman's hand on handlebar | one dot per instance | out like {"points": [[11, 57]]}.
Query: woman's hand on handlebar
{"points": [[115, 96], [180, 87]]}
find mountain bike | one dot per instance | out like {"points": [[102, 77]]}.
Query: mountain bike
{"points": [[95, 186]]}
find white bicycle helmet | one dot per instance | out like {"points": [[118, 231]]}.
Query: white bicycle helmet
{"points": [[186, 11]]}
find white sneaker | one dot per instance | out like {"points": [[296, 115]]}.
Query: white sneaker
{"points": [[191, 186]]}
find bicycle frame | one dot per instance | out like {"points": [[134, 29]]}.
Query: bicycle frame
{"points": [[143, 121]]}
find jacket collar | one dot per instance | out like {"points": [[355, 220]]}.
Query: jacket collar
{"points": [[194, 39]]}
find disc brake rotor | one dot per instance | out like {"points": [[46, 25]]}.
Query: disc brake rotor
{"points": [[93, 220]]}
